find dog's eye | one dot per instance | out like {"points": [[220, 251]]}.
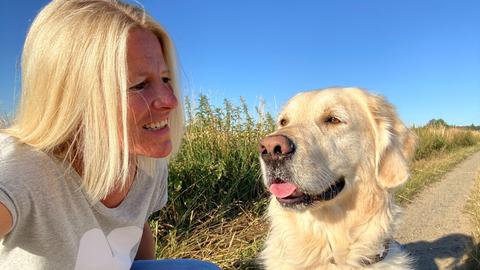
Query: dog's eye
{"points": [[333, 120], [283, 122]]}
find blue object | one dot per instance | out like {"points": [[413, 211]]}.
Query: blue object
{"points": [[173, 264]]}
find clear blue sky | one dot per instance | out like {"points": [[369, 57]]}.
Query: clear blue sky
{"points": [[424, 56]]}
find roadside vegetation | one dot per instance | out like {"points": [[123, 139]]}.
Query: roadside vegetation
{"points": [[215, 196], [473, 208], [216, 200], [439, 149]]}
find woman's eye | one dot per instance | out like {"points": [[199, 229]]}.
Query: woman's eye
{"points": [[166, 79], [333, 120], [139, 87]]}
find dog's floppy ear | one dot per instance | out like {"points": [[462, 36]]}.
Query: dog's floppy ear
{"points": [[395, 144]]}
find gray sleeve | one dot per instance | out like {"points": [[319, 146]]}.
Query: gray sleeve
{"points": [[17, 197], [6, 200], [21, 170]]}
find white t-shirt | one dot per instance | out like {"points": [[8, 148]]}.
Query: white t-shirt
{"points": [[56, 226]]}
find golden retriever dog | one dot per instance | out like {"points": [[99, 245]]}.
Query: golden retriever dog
{"points": [[331, 165]]}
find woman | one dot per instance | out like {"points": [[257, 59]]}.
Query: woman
{"points": [[83, 164]]}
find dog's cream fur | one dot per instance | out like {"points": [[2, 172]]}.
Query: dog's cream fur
{"points": [[370, 148]]}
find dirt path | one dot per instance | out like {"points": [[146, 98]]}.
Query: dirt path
{"points": [[434, 229]]}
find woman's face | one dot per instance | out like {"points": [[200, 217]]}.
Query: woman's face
{"points": [[150, 96]]}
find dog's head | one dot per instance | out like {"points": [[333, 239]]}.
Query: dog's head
{"points": [[327, 141]]}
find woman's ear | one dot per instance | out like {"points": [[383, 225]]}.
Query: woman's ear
{"points": [[395, 144]]}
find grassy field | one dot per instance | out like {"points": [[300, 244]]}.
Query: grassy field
{"points": [[217, 201], [473, 208]]}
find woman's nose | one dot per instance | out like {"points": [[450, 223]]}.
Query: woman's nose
{"points": [[165, 99]]}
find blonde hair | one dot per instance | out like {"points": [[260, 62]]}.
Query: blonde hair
{"points": [[74, 88]]}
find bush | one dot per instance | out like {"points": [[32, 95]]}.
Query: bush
{"points": [[434, 140], [464, 139]]}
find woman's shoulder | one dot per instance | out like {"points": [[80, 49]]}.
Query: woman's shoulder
{"points": [[6, 142], [12, 151], [19, 160]]}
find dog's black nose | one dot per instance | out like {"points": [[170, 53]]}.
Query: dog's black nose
{"points": [[276, 146]]}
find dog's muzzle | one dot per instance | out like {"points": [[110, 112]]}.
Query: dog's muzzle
{"points": [[275, 148], [276, 151]]}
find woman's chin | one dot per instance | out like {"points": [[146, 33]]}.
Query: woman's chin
{"points": [[154, 151]]}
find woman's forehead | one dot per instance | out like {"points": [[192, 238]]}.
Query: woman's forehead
{"points": [[144, 52]]}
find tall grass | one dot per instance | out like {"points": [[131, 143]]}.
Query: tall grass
{"points": [[473, 208], [440, 139], [217, 166], [213, 180], [439, 149]]}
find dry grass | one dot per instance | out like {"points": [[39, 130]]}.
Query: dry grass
{"points": [[473, 208], [433, 140], [439, 149], [430, 169], [232, 244]]}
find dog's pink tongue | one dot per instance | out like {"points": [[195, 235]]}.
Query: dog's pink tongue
{"points": [[282, 190]]}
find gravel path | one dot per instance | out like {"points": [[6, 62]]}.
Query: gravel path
{"points": [[434, 228]]}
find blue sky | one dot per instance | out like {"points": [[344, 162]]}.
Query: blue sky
{"points": [[424, 56]]}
